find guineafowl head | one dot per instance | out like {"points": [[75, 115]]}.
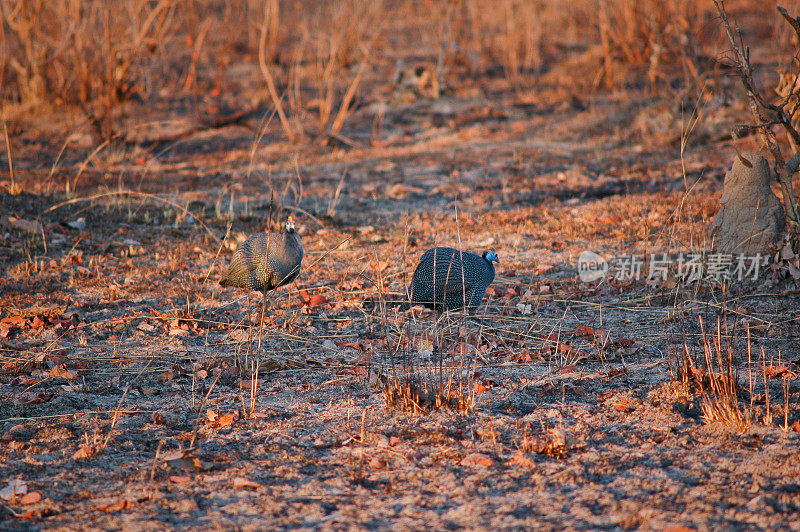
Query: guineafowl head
{"points": [[290, 227], [490, 256]]}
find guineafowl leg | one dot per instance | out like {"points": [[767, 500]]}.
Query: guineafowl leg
{"points": [[261, 321]]}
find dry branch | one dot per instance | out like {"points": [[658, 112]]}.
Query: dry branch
{"points": [[766, 114]]}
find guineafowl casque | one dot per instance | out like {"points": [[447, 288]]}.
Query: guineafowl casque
{"points": [[266, 261], [449, 279]]}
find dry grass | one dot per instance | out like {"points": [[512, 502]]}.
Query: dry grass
{"points": [[715, 375], [316, 59]]}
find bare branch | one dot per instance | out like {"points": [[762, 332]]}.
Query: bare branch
{"points": [[767, 114]]}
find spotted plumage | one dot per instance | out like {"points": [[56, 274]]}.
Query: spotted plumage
{"points": [[449, 279], [266, 261]]}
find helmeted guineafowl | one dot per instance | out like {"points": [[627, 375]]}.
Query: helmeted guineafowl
{"points": [[449, 279], [266, 261]]}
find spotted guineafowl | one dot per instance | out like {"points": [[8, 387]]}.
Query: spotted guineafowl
{"points": [[266, 261], [449, 279]]}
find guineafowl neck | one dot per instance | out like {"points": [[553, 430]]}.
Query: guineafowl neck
{"points": [[491, 272], [295, 239]]}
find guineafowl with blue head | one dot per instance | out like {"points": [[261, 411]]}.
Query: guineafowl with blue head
{"points": [[450, 279]]}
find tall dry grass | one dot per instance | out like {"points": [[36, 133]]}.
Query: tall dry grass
{"points": [[320, 60]]}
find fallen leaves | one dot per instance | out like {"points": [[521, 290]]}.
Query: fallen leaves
{"points": [[124, 504], [476, 460], [60, 372], [9, 323], [84, 451], [29, 398], [30, 498], [480, 388], [241, 483], [16, 492], [38, 319], [218, 421], [312, 302], [623, 404]]}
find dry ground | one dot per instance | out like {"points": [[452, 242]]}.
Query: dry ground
{"points": [[128, 397]]}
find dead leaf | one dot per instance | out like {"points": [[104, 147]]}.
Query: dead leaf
{"points": [[524, 308], [772, 371], [41, 397], [61, 372], [519, 458], [623, 404], [398, 190], [240, 482], [623, 343], [179, 479], [787, 253], [84, 451], [348, 344], [220, 422], [124, 504], [304, 297], [30, 498], [480, 388], [13, 321], [226, 420], [364, 359], [317, 300], [583, 331], [477, 460]]}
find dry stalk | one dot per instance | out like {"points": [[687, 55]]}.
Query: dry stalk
{"points": [[785, 427], [13, 188], [765, 379], [270, 11]]}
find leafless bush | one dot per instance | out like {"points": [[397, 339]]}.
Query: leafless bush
{"points": [[332, 47], [82, 53]]}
